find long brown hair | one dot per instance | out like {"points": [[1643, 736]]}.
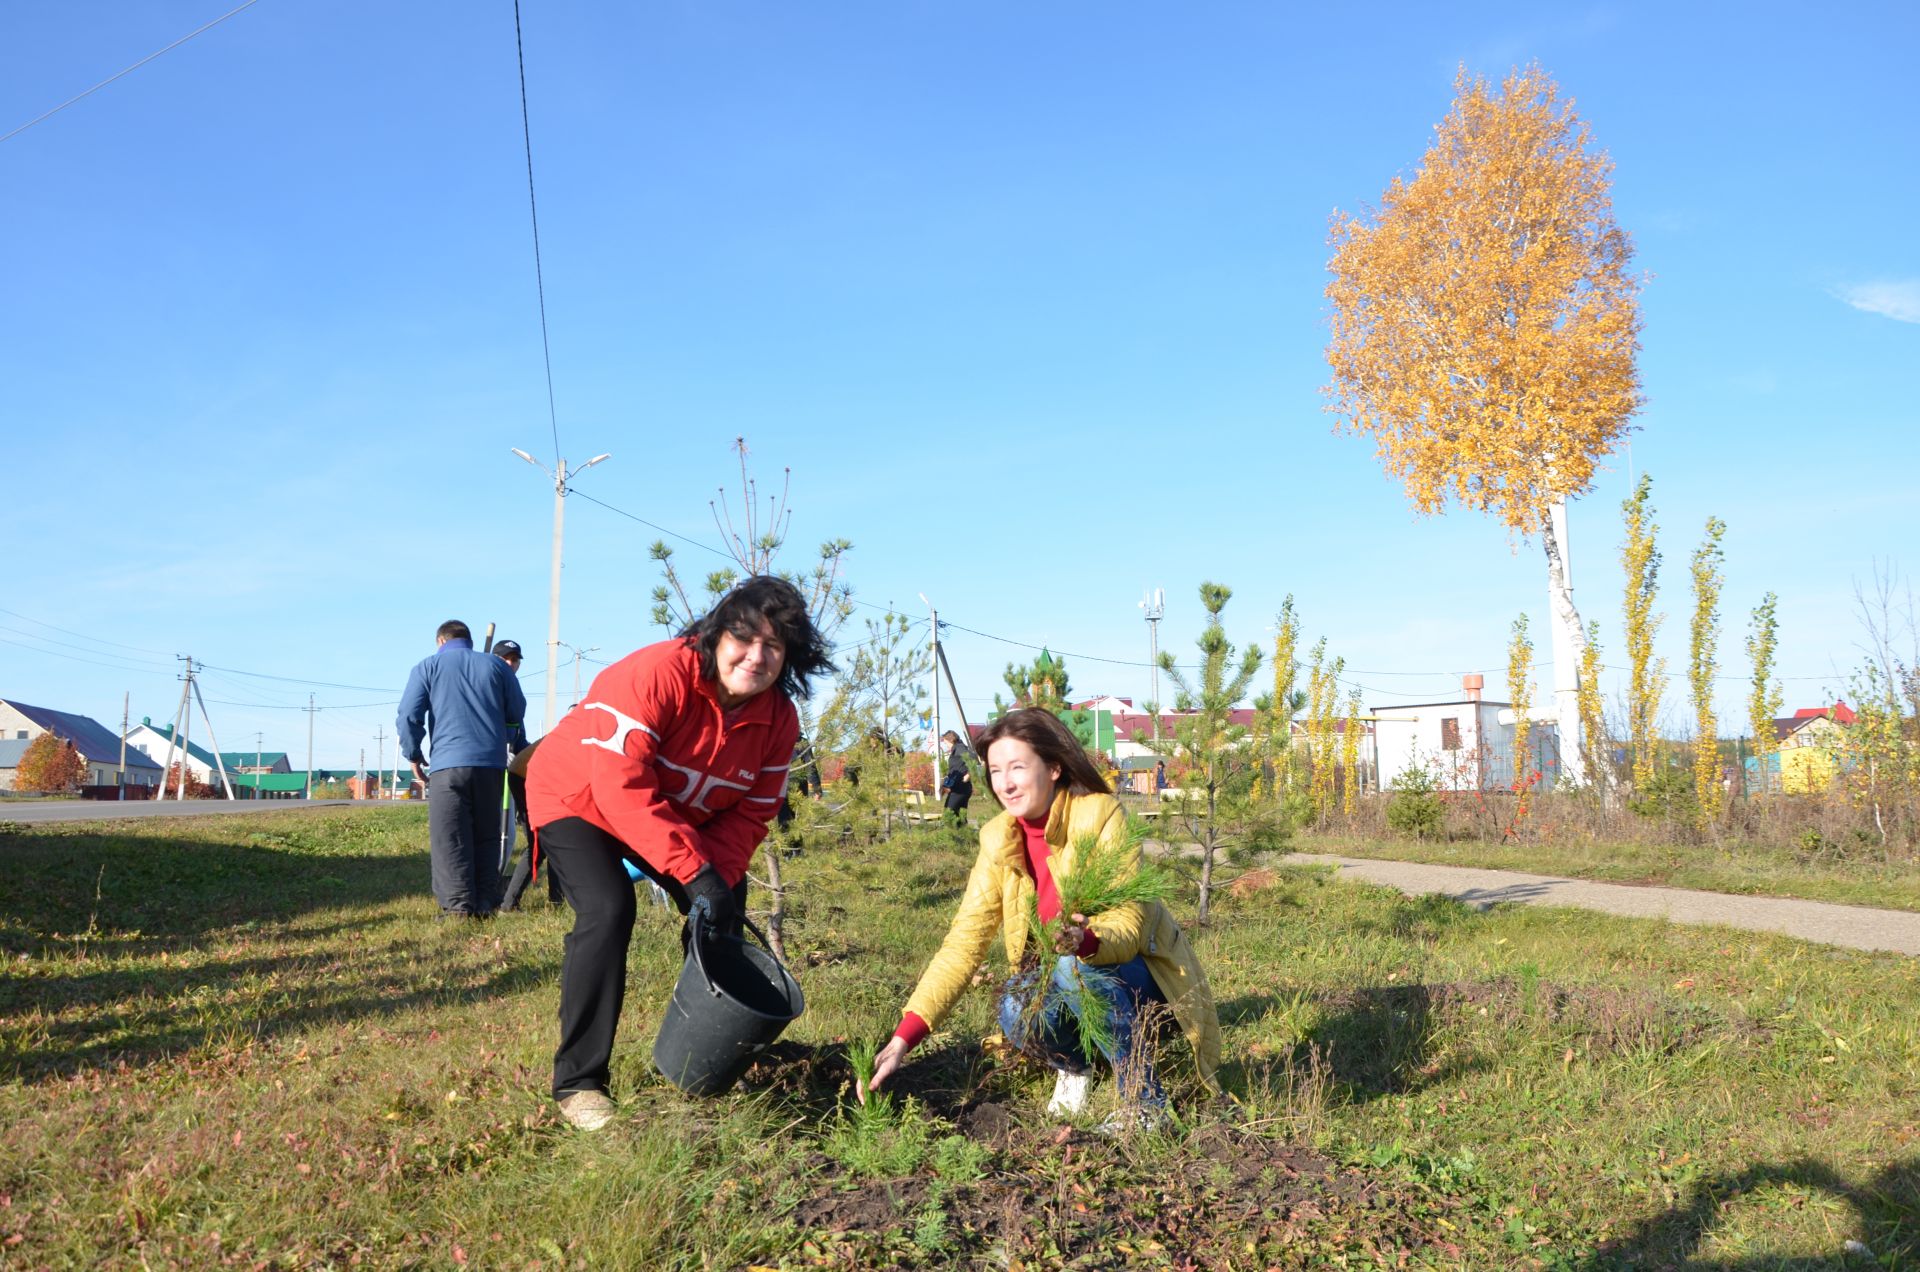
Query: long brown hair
{"points": [[1053, 742]]}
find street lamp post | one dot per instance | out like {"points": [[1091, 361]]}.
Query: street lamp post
{"points": [[560, 475], [1154, 604]]}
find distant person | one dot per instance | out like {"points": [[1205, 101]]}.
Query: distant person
{"points": [[525, 868], [956, 787], [1160, 776], [468, 703], [675, 764], [806, 769]]}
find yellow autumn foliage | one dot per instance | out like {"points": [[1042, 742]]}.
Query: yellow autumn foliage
{"points": [[1485, 325]]}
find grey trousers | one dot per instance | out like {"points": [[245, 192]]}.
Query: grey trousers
{"points": [[463, 827]]}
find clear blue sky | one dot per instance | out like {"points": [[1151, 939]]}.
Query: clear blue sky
{"points": [[1027, 296]]}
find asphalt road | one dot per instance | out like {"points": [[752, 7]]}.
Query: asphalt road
{"points": [[1854, 926], [72, 810]]}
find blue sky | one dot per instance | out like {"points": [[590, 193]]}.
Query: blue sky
{"points": [[1028, 297]]}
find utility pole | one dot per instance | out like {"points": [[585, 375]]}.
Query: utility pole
{"points": [[1155, 605], [933, 673], [560, 474], [174, 738], [380, 760], [363, 772], [219, 760], [578, 653], [126, 704], [186, 728], [310, 710], [258, 741]]}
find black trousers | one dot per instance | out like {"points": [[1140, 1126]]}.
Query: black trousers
{"points": [[463, 836], [585, 861]]}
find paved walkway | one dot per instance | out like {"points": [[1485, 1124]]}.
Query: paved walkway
{"points": [[1856, 927]]}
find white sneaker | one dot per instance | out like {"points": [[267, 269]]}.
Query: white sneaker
{"points": [[1069, 1094], [588, 1110]]}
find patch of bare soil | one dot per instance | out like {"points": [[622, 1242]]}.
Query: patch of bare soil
{"points": [[1059, 1198], [1607, 1017]]}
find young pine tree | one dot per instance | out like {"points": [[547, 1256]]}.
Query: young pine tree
{"points": [[1208, 739]]}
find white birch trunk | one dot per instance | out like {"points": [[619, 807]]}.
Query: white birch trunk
{"points": [[1569, 642]]}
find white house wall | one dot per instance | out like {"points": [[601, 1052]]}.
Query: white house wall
{"points": [[15, 725], [1407, 736], [153, 745]]}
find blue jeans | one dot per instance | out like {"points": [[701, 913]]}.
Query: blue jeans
{"points": [[1122, 990]]}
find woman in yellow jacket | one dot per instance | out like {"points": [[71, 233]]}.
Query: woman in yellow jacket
{"points": [[1052, 797]]}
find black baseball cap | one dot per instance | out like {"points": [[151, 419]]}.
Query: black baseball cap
{"points": [[506, 649]]}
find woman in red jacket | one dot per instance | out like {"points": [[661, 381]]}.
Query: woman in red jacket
{"points": [[676, 761]]}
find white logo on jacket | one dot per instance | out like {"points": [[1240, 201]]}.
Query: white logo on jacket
{"points": [[627, 727], [697, 786]]}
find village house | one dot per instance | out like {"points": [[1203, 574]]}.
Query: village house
{"points": [[1465, 743], [99, 746]]}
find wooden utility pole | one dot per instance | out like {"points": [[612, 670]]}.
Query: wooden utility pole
{"points": [[310, 710]]}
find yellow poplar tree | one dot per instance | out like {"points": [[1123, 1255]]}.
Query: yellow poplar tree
{"points": [[1277, 719], [1593, 733], [1520, 690], [1485, 326], [1323, 702], [1646, 675], [1763, 701], [1350, 754], [1701, 666]]}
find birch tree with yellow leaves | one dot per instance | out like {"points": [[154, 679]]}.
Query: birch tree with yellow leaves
{"points": [[1485, 329]]}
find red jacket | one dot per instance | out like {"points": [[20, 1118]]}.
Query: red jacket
{"points": [[650, 758]]}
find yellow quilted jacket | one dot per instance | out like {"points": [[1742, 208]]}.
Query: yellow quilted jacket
{"points": [[1000, 896]]}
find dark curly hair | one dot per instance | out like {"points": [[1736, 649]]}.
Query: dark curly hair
{"points": [[764, 598]]}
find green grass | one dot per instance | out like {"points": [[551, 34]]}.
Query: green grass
{"points": [[246, 1039], [1749, 870]]}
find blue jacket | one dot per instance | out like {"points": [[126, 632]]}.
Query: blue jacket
{"points": [[469, 701]]}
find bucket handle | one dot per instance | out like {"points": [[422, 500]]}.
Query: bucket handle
{"points": [[697, 919]]}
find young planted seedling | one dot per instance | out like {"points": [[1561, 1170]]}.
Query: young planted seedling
{"points": [[1107, 874]]}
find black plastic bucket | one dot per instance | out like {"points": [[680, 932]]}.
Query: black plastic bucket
{"points": [[732, 999]]}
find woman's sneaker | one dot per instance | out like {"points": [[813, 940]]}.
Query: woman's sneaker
{"points": [[588, 1110], [1069, 1094]]}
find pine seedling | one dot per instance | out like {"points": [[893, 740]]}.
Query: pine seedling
{"points": [[1106, 875]]}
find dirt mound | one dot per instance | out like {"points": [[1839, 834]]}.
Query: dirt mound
{"points": [[1053, 1197]]}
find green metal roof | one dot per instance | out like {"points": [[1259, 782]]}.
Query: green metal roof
{"points": [[270, 781]]}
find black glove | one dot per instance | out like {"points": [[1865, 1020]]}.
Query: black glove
{"points": [[707, 889]]}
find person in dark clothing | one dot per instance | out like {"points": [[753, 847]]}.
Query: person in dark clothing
{"points": [[524, 868], [470, 704], [806, 769], [956, 788]]}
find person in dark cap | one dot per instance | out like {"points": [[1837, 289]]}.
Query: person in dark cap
{"points": [[513, 812]]}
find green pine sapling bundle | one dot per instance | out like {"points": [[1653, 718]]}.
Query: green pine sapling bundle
{"points": [[1107, 875]]}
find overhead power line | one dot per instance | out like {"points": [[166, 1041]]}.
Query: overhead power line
{"points": [[533, 208], [129, 70]]}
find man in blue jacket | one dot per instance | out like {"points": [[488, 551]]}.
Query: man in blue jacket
{"points": [[471, 703]]}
